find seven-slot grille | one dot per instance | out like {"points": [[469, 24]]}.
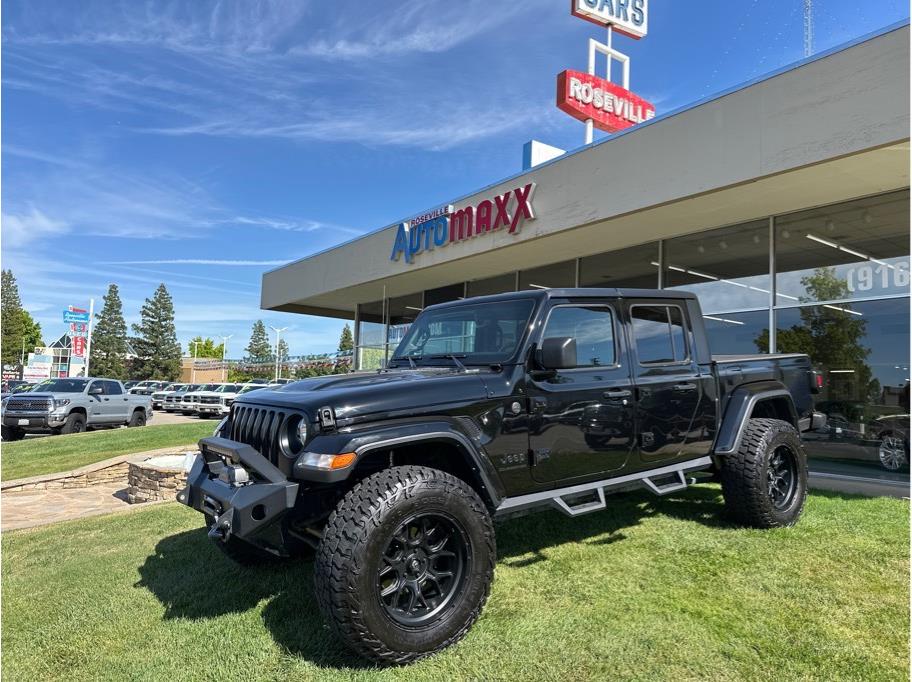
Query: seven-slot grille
{"points": [[29, 404], [188, 398], [172, 398], [209, 400], [259, 427]]}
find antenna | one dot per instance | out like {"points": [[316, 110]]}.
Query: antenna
{"points": [[808, 28]]}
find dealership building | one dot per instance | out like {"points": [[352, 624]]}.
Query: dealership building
{"points": [[783, 203]]}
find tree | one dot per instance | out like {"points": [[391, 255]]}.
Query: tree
{"points": [[199, 347], [283, 350], [11, 319], [109, 339], [31, 332], [259, 350], [832, 337], [346, 340], [158, 353]]}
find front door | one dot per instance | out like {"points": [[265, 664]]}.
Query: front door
{"points": [[669, 383], [581, 421], [116, 401]]}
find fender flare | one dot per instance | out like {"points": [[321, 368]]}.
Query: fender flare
{"points": [[387, 436], [739, 408]]}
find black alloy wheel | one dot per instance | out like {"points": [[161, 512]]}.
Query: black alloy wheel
{"points": [[422, 568], [781, 476]]}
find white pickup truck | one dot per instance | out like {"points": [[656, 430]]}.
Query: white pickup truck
{"points": [[72, 405]]}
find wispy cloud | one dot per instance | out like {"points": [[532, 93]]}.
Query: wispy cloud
{"points": [[254, 70], [195, 261], [19, 230]]}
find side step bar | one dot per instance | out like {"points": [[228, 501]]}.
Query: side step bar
{"points": [[557, 497]]}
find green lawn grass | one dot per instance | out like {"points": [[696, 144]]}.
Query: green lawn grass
{"points": [[63, 453], [652, 589]]}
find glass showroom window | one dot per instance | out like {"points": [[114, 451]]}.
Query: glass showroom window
{"points": [[863, 351], [854, 250], [636, 268], [402, 311], [728, 269], [492, 285], [555, 276], [738, 333], [371, 329]]}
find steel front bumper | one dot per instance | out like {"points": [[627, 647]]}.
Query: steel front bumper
{"points": [[242, 492]]}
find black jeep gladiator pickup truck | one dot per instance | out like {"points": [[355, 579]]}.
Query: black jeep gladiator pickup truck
{"points": [[489, 407]]}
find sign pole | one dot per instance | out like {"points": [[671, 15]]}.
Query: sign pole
{"points": [[88, 351]]}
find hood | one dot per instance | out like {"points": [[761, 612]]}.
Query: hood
{"points": [[391, 391], [44, 395]]}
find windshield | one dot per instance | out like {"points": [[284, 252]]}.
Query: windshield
{"points": [[62, 386], [23, 388], [480, 333], [208, 387], [248, 389], [227, 388]]}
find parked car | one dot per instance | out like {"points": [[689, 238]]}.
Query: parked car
{"points": [[892, 434], [852, 434], [130, 384], [158, 398], [394, 478], [190, 400], [71, 406], [148, 387], [217, 402], [172, 401]]}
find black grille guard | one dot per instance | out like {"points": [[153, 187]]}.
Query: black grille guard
{"points": [[249, 511]]}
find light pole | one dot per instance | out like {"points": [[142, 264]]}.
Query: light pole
{"points": [[224, 349], [193, 363], [278, 332]]}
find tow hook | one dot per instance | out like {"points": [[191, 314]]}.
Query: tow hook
{"points": [[221, 529]]}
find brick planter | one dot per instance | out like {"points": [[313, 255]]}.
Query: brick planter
{"points": [[151, 479]]}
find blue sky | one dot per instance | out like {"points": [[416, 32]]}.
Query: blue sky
{"points": [[201, 143]]}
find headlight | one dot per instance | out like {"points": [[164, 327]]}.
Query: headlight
{"points": [[221, 425], [302, 430], [61, 403], [328, 462]]}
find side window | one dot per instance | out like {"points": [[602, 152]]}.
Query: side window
{"points": [[659, 334], [112, 388], [593, 329], [95, 385]]}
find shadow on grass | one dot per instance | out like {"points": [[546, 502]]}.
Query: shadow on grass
{"points": [[193, 580]]}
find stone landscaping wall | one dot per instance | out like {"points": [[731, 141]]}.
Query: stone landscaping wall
{"points": [[77, 479], [148, 483]]}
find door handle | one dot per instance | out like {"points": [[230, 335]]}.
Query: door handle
{"points": [[685, 388], [106, 399], [617, 395]]}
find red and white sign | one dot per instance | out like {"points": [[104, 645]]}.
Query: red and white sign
{"points": [[630, 17], [79, 346], [609, 106]]}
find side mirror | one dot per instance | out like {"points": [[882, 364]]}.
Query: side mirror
{"points": [[96, 390], [558, 353]]}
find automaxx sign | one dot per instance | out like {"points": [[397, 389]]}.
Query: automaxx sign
{"points": [[447, 225]]}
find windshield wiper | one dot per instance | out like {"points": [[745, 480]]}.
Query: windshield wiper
{"points": [[411, 359], [450, 356]]}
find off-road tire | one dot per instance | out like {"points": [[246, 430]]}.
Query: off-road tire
{"points": [[242, 553], [744, 475], [75, 423], [10, 433], [138, 418], [359, 531]]}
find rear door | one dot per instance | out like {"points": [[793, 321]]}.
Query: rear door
{"points": [[670, 385], [581, 421], [117, 402]]}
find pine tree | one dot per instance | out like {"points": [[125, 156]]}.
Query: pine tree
{"points": [[158, 353], [346, 341], [259, 350], [12, 323], [109, 339], [283, 350]]}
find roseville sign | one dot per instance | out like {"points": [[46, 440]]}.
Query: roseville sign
{"points": [[609, 106], [596, 101], [630, 17], [446, 225]]}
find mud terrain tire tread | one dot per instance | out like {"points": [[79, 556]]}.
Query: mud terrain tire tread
{"points": [[743, 476], [359, 516]]}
